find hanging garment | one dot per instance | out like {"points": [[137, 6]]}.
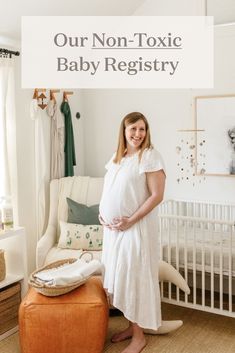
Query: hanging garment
{"points": [[42, 163], [57, 140], [69, 149]]}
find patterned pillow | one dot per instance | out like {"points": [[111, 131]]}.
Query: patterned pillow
{"points": [[79, 236]]}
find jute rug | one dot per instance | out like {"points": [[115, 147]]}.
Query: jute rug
{"points": [[201, 333]]}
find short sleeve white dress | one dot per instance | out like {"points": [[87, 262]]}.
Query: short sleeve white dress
{"points": [[131, 257]]}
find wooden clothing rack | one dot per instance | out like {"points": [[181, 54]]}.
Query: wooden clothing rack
{"points": [[39, 94]]}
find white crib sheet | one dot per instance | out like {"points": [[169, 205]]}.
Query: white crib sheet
{"points": [[199, 248]]}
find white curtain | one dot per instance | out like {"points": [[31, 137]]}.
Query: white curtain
{"points": [[8, 161]]}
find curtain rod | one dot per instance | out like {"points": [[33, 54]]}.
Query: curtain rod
{"points": [[10, 52]]}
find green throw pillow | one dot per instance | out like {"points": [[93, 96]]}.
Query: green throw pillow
{"points": [[82, 214]]}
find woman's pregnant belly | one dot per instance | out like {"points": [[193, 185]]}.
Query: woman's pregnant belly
{"points": [[110, 208], [123, 193], [113, 205]]}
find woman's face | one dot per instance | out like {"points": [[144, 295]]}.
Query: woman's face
{"points": [[135, 134]]}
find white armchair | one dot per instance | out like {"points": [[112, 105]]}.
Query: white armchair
{"points": [[85, 190]]}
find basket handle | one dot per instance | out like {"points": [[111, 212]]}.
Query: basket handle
{"points": [[32, 283], [87, 252]]}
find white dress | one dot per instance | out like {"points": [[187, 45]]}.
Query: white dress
{"points": [[42, 164], [57, 140], [131, 257]]}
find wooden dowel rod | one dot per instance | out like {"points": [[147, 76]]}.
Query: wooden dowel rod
{"points": [[55, 90], [35, 94]]}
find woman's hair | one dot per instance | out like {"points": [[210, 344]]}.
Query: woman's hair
{"points": [[130, 119]]}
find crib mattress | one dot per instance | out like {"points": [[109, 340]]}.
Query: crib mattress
{"points": [[201, 249]]}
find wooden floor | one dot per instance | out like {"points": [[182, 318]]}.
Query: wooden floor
{"points": [[201, 333]]}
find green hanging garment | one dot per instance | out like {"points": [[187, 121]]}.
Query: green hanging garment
{"points": [[69, 149]]}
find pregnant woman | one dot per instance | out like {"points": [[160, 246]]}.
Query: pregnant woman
{"points": [[133, 187]]}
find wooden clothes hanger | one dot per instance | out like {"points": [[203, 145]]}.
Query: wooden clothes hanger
{"points": [[65, 94], [52, 94], [41, 96], [35, 94]]}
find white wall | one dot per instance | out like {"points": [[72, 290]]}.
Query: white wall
{"points": [[167, 112], [223, 11], [105, 108]]}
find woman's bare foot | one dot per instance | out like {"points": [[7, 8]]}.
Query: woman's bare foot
{"points": [[138, 341], [123, 335], [136, 345]]}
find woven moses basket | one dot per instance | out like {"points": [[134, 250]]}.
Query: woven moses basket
{"points": [[50, 291], [2, 265]]}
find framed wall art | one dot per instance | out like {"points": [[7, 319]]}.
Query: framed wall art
{"points": [[215, 135]]}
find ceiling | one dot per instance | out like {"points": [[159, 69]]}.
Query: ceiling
{"points": [[12, 10], [223, 11]]}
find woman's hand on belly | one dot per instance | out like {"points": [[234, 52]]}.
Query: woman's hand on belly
{"points": [[103, 223], [122, 223]]}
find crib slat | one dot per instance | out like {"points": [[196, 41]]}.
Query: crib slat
{"points": [[203, 264], [230, 269], [177, 254], [185, 262], [169, 255], [221, 272], [212, 270], [161, 220], [194, 266]]}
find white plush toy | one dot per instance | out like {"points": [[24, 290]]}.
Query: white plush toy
{"points": [[168, 273]]}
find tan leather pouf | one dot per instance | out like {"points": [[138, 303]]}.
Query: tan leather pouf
{"points": [[75, 322]]}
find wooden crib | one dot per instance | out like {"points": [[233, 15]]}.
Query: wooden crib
{"points": [[198, 239]]}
